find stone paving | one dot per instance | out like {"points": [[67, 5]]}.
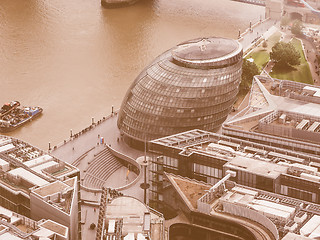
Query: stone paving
{"points": [[264, 29], [81, 148]]}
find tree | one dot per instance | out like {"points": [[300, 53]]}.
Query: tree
{"points": [[296, 27], [285, 54], [264, 44], [92, 226], [249, 69]]}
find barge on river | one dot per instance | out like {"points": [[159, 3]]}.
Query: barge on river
{"points": [[14, 116]]}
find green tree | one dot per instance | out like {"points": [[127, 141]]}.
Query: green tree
{"points": [[264, 44], [285, 54], [249, 69], [296, 27]]}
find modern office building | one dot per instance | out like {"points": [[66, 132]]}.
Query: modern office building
{"points": [[227, 206], [280, 113], [208, 157], [38, 185], [14, 226], [192, 85], [127, 218]]}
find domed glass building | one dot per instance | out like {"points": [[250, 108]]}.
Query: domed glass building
{"points": [[192, 85]]}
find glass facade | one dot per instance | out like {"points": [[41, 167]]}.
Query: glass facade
{"points": [[190, 86]]}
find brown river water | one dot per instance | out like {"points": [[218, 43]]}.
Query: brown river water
{"points": [[76, 59]]}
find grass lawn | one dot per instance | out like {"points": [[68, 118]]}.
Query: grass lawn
{"points": [[261, 55], [299, 73]]}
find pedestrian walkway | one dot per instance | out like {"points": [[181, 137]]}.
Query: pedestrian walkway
{"points": [[261, 30], [81, 149]]}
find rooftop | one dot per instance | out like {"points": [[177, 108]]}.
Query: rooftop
{"points": [[138, 219], [205, 49], [26, 166], [188, 189], [262, 168], [55, 227], [285, 213], [51, 188], [21, 227], [267, 104]]}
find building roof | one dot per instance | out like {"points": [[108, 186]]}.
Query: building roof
{"points": [[28, 176], [55, 227], [263, 104], [258, 167], [21, 227], [133, 215], [27, 162], [38, 160], [51, 188], [188, 189], [206, 50], [9, 236]]}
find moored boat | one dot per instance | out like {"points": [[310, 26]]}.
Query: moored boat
{"points": [[17, 117], [8, 107]]}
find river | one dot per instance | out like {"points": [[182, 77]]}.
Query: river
{"points": [[76, 59]]}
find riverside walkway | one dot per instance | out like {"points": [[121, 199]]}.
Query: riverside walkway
{"points": [[81, 148], [258, 31]]}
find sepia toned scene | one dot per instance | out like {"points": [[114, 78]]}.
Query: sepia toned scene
{"points": [[160, 120]]}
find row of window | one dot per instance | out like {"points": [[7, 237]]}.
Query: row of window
{"points": [[169, 66], [179, 116], [169, 161], [185, 79], [161, 92], [150, 100], [166, 127], [276, 141], [298, 193], [222, 63], [208, 171], [170, 102]]}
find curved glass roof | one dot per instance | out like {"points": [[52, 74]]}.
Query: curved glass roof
{"points": [[169, 97]]}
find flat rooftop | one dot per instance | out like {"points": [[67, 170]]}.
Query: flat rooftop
{"points": [[206, 49], [287, 98], [258, 167], [189, 190], [132, 216], [33, 166], [51, 188], [55, 227]]}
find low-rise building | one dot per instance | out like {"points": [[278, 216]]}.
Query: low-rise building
{"points": [[208, 157], [14, 226], [280, 113], [38, 185], [232, 204], [125, 217]]}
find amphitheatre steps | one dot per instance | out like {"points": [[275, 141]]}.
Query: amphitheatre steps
{"points": [[100, 169]]}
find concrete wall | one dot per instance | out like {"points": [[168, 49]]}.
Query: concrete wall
{"points": [[250, 214], [41, 209]]}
